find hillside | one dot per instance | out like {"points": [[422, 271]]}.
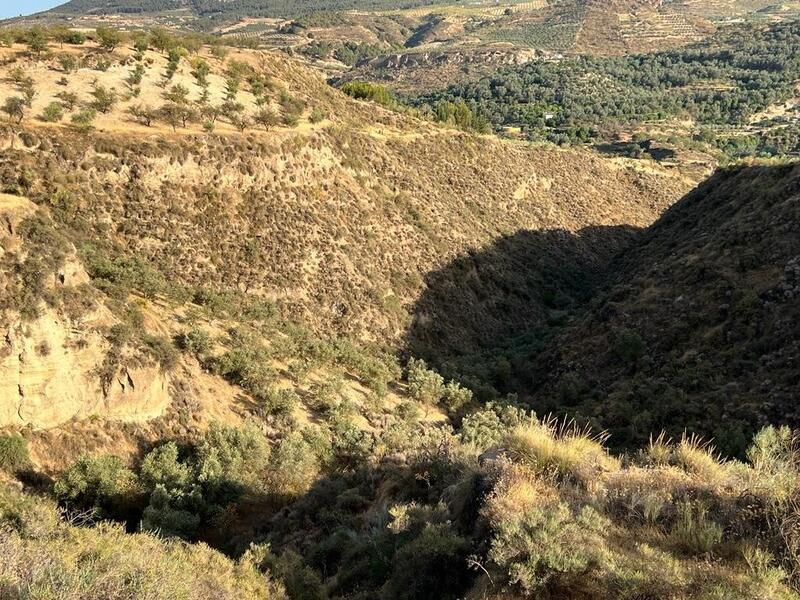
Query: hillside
{"points": [[218, 275], [325, 221], [699, 329]]}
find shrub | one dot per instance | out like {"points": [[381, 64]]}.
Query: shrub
{"points": [[108, 38], [14, 455], [280, 402], [67, 62], [362, 90], [83, 120], [161, 349], [68, 99], [247, 364], [628, 346], [102, 482], [267, 118], [232, 460], [424, 385], [294, 465], [456, 397], [15, 109], [162, 467], [44, 557], [317, 115], [53, 113], [196, 341], [433, 565], [104, 99], [548, 544], [143, 114], [488, 427], [694, 532], [165, 516]]}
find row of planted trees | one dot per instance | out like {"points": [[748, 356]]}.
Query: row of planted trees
{"points": [[179, 108]]}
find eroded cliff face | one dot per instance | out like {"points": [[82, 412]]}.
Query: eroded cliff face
{"points": [[49, 375], [50, 365]]}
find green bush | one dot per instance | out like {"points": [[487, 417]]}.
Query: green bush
{"points": [[549, 543], [280, 402], [432, 566], [294, 465], [247, 364], [166, 514], [196, 341], [103, 483], [14, 455], [53, 112], [424, 385], [363, 90], [628, 346], [162, 467], [232, 460]]}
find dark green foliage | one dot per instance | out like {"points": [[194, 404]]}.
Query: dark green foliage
{"points": [[196, 341], [231, 460], [629, 346], [722, 81], [227, 9], [15, 109], [109, 38], [430, 567], [103, 483], [14, 455], [363, 90], [247, 364], [459, 114], [47, 249]]}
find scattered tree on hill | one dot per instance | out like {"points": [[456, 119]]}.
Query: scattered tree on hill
{"points": [[177, 115], [82, 121], [162, 40], [173, 61], [143, 114], [69, 100], [109, 38], [15, 109], [53, 112], [64, 35], [201, 71], [219, 51], [241, 122], [267, 118], [67, 62], [177, 94], [36, 39], [231, 88], [104, 99], [28, 91], [141, 44]]}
